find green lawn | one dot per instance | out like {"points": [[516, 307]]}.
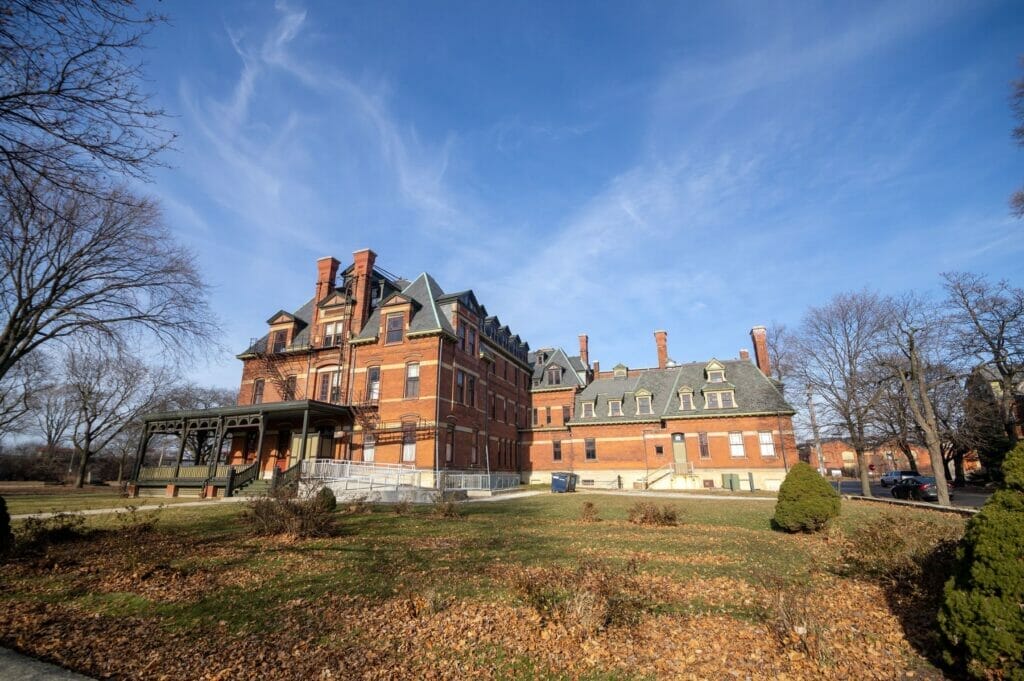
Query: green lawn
{"points": [[70, 500], [448, 589]]}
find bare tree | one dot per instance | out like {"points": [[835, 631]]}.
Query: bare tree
{"points": [[98, 265], [53, 413], [16, 389], [72, 109], [914, 358], [837, 345], [896, 424], [782, 353], [988, 323], [109, 392]]}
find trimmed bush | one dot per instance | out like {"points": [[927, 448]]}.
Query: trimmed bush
{"points": [[326, 499], [645, 513], [806, 501], [981, 617], [6, 536]]}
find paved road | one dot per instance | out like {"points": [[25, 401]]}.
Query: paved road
{"points": [[14, 666], [971, 498]]}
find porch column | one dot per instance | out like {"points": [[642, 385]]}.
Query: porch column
{"points": [[215, 452], [181, 448], [305, 434], [259, 444]]}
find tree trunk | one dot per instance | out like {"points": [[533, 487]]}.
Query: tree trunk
{"points": [[83, 463], [908, 452], [862, 470]]}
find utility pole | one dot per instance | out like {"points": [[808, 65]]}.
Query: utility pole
{"points": [[814, 430]]}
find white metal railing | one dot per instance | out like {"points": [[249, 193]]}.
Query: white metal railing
{"points": [[360, 474], [462, 480]]}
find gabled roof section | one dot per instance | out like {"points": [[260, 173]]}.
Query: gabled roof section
{"points": [[755, 393], [466, 299], [424, 293], [555, 357], [302, 317], [398, 298], [281, 316], [334, 298]]}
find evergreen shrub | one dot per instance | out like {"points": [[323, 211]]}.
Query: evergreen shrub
{"points": [[806, 501]]}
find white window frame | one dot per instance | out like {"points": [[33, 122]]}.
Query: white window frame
{"points": [[644, 399], [732, 398], [766, 439], [716, 376], [412, 379], [707, 401], [737, 450], [688, 396], [588, 410], [611, 412], [408, 446]]}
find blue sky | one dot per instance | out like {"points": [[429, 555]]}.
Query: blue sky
{"points": [[602, 168]]}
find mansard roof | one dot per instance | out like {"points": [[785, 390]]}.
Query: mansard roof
{"points": [[755, 393], [427, 317], [555, 357]]}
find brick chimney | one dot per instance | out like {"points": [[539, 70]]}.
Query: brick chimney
{"points": [[362, 269], [326, 272], [585, 350], [597, 369], [744, 354], [759, 335], [661, 339]]}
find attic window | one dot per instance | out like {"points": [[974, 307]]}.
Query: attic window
{"points": [[643, 404], [717, 376], [685, 401], [614, 407], [620, 371], [554, 375], [588, 410], [332, 334], [395, 325], [280, 341]]}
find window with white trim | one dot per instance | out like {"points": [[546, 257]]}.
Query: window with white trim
{"points": [[332, 334], [408, 444], [736, 444], [369, 447], [412, 379], [727, 401], [712, 400], [614, 407], [767, 442], [716, 377], [588, 410], [395, 326], [685, 401], [643, 404]]}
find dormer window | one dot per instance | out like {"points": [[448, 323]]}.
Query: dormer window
{"points": [[716, 377], [722, 399], [614, 407], [395, 326], [588, 410], [685, 400], [715, 372], [620, 371], [643, 404], [554, 375], [280, 341]]}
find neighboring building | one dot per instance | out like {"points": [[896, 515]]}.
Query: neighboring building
{"points": [[375, 368], [839, 455], [675, 425]]}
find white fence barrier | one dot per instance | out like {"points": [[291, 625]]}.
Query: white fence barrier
{"points": [[360, 474], [459, 480]]}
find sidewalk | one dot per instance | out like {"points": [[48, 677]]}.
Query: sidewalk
{"points": [[678, 496], [17, 666]]}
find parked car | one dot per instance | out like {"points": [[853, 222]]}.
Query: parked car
{"points": [[892, 477], [918, 488]]}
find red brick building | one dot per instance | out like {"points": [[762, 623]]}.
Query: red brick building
{"points": [[376, 368], [715, 423]]}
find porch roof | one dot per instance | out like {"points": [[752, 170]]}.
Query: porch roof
{"points": [[284, 409]]}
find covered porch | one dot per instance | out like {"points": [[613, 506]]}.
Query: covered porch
{"points": [[223, 450]]}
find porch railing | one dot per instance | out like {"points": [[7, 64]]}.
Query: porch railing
{"points": [[467, 480], [153, 473]]}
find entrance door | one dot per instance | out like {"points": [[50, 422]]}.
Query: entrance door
{"points": [[679, 452]]}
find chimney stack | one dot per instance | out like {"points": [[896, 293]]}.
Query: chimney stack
{"points": [[661, 339], [597, 369], [361, 272], [326, 272], [585, 350], [759, 335], [744, 355]]}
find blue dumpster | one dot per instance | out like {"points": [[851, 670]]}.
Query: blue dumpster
{"points": [[563, 482]]}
